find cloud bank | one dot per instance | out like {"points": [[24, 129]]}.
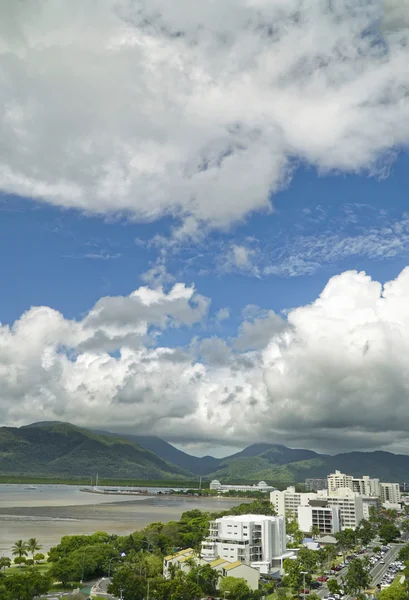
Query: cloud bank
{"points": [[333, 375], [195, 109]]}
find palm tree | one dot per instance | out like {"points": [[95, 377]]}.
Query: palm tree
{"points": [[33, 546], [19, 549]]}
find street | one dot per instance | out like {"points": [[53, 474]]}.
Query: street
{"points": [[377, 572]]}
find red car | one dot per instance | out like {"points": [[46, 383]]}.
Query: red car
{"points": [[323, 579], [305, 591]]}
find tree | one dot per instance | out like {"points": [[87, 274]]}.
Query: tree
{"points": [[64, 570], [5, 563], [357, 577], [388, 532], [365, 532], [237, 588], [394, 592], [206, 577], [33, 546], [404, 553], [333, 586], [19, 549], [20, 560], [308, 559], [346, 540], [134, 587], [294, 576], [315, 531], [26, 586], [405, 525], [184, 589], [39, 557]]}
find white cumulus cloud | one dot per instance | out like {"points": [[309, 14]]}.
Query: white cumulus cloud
{"points": [[193, 109], [334, 376]]}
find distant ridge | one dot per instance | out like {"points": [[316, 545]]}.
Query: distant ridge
{"points": [[55, 448]]}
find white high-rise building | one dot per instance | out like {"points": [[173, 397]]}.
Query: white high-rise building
{"points": [[350, 506], [319, 515], [366, 486], [390, 492], [256, 540], [287, 502], [338, 481]]}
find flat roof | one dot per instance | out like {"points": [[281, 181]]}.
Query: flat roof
{"points": [[245, 518]]}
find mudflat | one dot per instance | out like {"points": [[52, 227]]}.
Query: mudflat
{"points": [[49, 512]]}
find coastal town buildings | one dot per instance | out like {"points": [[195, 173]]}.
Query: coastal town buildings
{"points": [[255, 540]]}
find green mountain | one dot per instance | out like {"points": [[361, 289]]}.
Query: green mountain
{"points": [[194, 464], [63, 450], [285, 465]]}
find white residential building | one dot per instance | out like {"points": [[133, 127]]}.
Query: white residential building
{"points": [[366, 486], [338, 481], [319, 514], [223, 488], [367, 502], [287, 502], [350, 505], [255, 540], [390, 492]]}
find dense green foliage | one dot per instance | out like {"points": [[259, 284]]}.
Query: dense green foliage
{"points": [[23, 586], [67, 451], [357, 577]]}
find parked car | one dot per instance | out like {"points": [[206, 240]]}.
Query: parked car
{"points": [[323, 578], [305, 591]]}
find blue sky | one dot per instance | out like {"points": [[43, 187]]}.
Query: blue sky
{"points": [[68, 260], [203, 220]]}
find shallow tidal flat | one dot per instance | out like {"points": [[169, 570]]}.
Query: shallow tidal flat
{"points": [[49, 512]]}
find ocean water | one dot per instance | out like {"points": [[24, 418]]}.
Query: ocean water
{"points": [[51, 511]]}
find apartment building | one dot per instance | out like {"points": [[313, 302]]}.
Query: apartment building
{"points": [[255, 540], [367, 502], [390, 492], [350, 506], [313, 484], [318, 514], [366, 486], [287, 502], [350, 503], [338, 481]]}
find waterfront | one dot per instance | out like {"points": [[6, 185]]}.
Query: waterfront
{"points": [[51, 511]]}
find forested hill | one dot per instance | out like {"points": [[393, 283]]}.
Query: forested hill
{"points": [[63, 450]]}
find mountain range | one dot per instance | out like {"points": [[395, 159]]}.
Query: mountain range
{"points": [[64, 450]]}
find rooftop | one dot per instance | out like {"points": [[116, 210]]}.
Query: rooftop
{"points": [[246, 518], [233, 565]]}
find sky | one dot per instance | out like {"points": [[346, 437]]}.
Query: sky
{"points": [[204, 226]]}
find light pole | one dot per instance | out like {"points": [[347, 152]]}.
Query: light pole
{"points": [[304, 573], [120, 593]]}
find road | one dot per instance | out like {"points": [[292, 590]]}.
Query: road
{"points": [[377, 572], [100, 589]]}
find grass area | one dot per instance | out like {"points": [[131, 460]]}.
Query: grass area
{"points": [[175, 483], [41, 568]]}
